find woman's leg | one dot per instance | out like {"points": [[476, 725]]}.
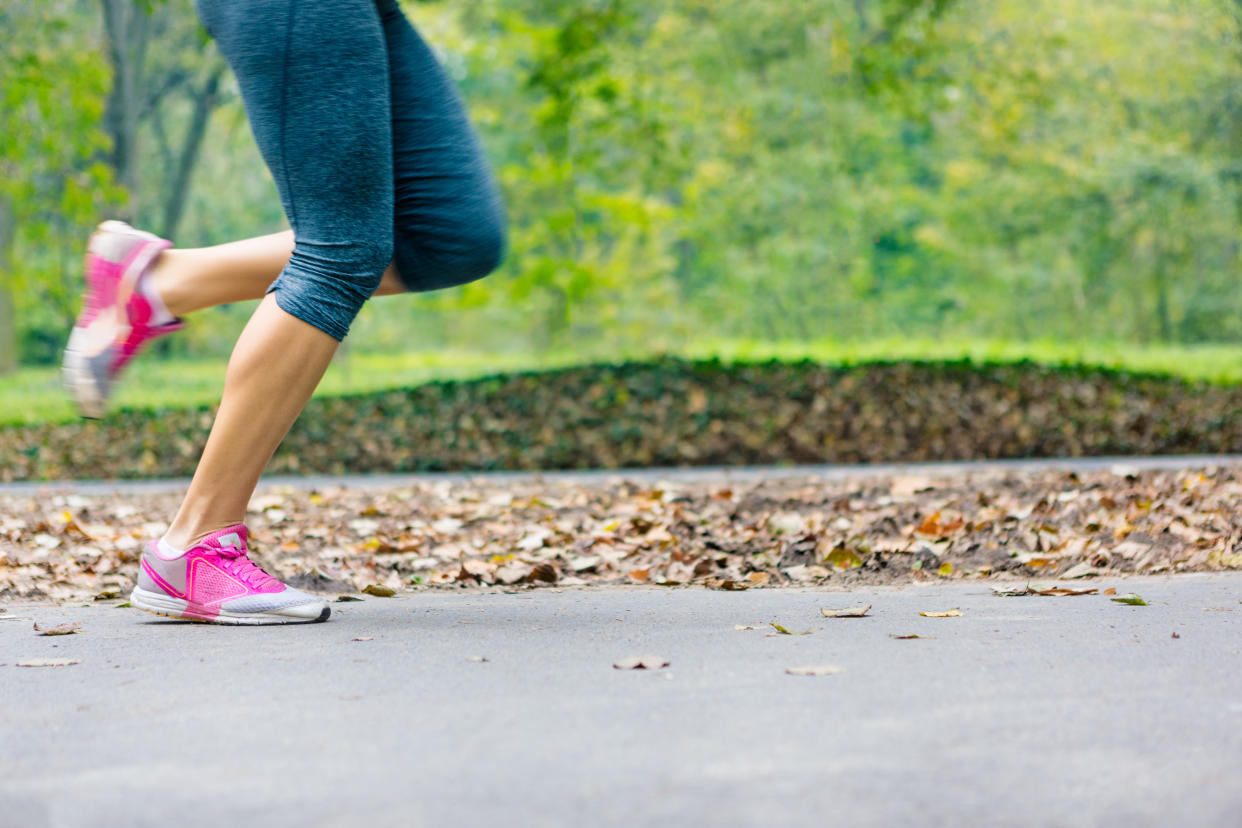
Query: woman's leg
{"points": [[449, 222], [315, 83], [191, 279]]}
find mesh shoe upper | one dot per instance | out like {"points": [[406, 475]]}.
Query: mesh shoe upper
{"points": [[217, 573]]}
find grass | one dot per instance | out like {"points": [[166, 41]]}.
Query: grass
{"points": [[34, 394]]}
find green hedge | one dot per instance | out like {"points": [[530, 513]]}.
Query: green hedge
{"points": [[679, 413]]}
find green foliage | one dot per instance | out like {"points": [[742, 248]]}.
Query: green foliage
{"points": [[53, 186], [829, 170]]}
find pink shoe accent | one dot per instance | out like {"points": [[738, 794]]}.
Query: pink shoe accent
{"points": [[217, 571], [115, 322]]}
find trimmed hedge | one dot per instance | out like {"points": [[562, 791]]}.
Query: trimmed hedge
{"points": [[679, 413]]}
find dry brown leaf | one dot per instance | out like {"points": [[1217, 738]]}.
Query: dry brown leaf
{"points": [[953, 613], [545, 572], [1064, 591], [1109, 591], [639, 576], [67, 628], [642, 662], [848, 612], [365, 638], [908, 637]]}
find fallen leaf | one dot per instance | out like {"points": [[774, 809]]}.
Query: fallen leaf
{"points": [[68, 628], [545, 572], [843, 559], [1064, 591], [639, 575], [1008, 592], [759, 577], [815, 670], [380, 591], [365, 638], [1131, 599], [477, 659], [746, 627], [908, 637], [945, 570], [1082, 570], [728, 584], [787, 631], [108, 595], [48, 662], [848, 612], [1175, 635], [642, 662], [123, 606], [341, 599], [1109, 591], [953, 613]]}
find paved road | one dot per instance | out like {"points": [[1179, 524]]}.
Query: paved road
{"points": [[1022, 712], [687, 473]]}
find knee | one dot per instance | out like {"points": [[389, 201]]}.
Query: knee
{"points": [[372, 259], [326, 285], [473, 248]]}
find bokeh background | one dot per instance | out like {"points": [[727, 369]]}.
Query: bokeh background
{"points": [[822, 178]]}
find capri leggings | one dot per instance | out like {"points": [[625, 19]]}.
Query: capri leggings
{"points": [[370, 147]]}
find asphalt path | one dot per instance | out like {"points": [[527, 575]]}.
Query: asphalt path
{"points": [[724, 474], [1027, 711]]}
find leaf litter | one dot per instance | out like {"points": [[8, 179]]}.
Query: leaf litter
{"points": [[848, 612], [953, 613], [530, 533], [782, 630], [67, 628]]}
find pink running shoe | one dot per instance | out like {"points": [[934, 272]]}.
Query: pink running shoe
{"points": [[114, 323], [216, 582]]}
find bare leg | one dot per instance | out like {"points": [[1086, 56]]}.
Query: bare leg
{"points": [[191, 279], [275, 366]]}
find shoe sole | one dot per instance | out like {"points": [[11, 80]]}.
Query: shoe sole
{"points": [[170, 607], [82, 377]]}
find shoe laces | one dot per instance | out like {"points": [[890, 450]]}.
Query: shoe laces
{"points": [[239, 564]]}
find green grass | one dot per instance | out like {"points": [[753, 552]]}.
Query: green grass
{"points": [[34, 394]]}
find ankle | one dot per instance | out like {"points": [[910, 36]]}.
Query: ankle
{"points": [[162, 281], [184, 537]]}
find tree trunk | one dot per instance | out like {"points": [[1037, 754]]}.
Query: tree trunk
{"points": [[126, 24], [178, 193], [8, 320]]}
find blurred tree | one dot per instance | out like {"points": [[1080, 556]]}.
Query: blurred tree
{"points": [[50, 189]]}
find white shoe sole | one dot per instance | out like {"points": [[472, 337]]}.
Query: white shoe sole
{"points": [[171, 607], [81, 382]]}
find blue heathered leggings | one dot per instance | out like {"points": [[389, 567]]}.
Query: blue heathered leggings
{"points": [[370, 147]]}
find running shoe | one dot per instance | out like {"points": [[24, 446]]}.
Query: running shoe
{"points": [[115, 320], [215, 581]]}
